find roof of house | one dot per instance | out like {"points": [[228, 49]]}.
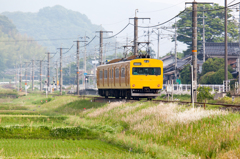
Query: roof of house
{"points": [[217, 49], [166, 57], [180, 64]]}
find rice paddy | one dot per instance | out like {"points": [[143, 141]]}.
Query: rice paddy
{"points": [[70, 127]]}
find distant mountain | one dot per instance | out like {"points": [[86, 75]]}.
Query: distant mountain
{"points": [[56, 23], [15, 47]]}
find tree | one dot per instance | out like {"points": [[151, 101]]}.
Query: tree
{"points": [[214, 77], [185, 75], [214, 64], [207, 78], [214, 26], [218, 77], [203, 94]]}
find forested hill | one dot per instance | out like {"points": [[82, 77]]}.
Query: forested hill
{"points": [[56, 23], [15, 46]]}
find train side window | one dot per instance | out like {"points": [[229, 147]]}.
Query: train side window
{"points": [[123, 72], [116, 72], [101, 75], [105, 73], [112, 73], [109, 71]]}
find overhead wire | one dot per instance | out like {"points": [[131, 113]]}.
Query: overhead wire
{"points": [[118, 32]]}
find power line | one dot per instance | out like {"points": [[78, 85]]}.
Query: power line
{"points": [[118, 32], [153, 26]]}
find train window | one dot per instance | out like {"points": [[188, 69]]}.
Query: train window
{"points": [[137, 63], [109, 74], [146, 71], [116, 72], [101, 75], [105, 73], [123, 72], [112, 73]]}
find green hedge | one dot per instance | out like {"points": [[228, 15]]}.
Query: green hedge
{"points": [[43, 132]]}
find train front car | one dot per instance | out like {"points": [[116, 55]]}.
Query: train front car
{"points": [[146, 77], [133, 78]]}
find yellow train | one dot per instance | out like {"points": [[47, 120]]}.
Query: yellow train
{"points": [[132, 78]]}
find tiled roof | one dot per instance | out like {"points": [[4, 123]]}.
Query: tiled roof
{"points": [[166, 57], [217, 49]]}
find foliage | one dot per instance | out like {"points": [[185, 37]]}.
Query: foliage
{"points": [[207, 78], [213, 65], [214, 26], [6, 26], [51, 23], [214, 77], [15, 47], [204, 93], [219, 76], [212, 72], [185, 74]]}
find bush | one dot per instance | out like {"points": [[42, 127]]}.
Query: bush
{"points": [[204, 93]]}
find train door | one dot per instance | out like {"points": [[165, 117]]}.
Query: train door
{"points": [[120, 76], [108, 77], [111, 77], [126, 75], [114, 77], [103, 77]]}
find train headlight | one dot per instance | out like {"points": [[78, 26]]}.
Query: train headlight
{"points": [[158, 85], [133, 85]]}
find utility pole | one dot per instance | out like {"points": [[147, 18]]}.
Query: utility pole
{"points": [[136, 32], [239, 52], [69, 73], [158, 44], [40, 75], [194, 49], [26, 77], [204, 52], [48, 72], [20, 76], [32, 75], [78, 64], [61, 76], [158, 39], [226, 51], [204, 58], [101, 45], [56, 76], [116, 48], [175, 50]]}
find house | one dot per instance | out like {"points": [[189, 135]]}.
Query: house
{"points": [[169, 69], [218, 50], [167, 60]]}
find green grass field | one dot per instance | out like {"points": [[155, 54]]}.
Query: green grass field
{"points": [[67, 126]]}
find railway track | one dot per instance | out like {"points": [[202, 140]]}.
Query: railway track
{"points": [[106, 100]]}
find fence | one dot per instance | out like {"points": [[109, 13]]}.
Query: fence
{"points": [[187, 87]]}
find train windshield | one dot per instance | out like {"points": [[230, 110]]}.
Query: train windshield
{"points": [[146, 71]]}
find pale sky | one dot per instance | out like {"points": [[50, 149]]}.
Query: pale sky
{"points": [[114, 14]]}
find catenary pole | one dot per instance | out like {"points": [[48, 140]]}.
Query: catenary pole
{"points": [[135, 40]]}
